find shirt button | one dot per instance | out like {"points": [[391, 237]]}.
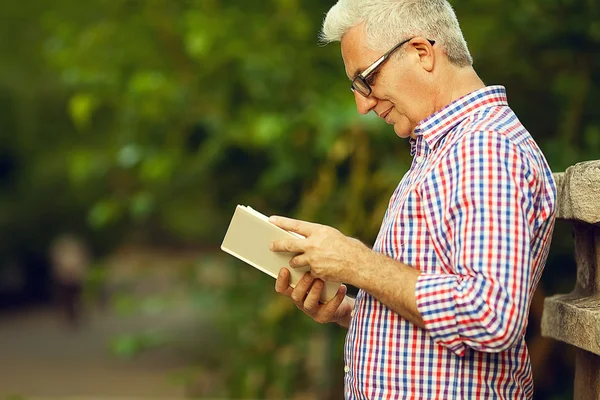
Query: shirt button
{"points": [[419, 159], [346, 369], [352, 313]]}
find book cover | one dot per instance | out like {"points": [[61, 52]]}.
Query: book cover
{"points": [[248, 238]]}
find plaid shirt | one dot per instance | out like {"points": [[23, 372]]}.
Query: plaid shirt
{"points": [[475, 214]]}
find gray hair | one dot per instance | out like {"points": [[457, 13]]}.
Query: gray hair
{"points": [[387, 22]]}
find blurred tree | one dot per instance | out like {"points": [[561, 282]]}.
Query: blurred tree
{"points": [[196, 90]]}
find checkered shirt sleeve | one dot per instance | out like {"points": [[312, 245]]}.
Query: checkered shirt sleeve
{"points": [[482, 221]]}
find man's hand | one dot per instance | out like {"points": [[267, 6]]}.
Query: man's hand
{"points": [[330, 255], [334, 257], [306, 296]]}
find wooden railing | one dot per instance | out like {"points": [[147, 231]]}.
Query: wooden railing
{"points": [[574, 318]]}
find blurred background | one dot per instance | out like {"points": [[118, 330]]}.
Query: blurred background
{"points": [[129, 131]]}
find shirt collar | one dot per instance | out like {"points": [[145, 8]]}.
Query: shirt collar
{"points": [[437, 125]]}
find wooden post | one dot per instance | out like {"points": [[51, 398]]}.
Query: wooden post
{"points": [[574, 318]]}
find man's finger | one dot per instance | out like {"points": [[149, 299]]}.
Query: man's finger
{"points": [[288, 245], [304, 228], [299, 261], [311, 303], [332, 305], [302, 288], [283, 281]]}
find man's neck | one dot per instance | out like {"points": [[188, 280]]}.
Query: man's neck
{"points": [[460, 82], [455, 83]]}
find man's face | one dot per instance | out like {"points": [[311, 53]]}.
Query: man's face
{"points": [[400, 87]]}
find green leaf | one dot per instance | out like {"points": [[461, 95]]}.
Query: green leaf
{"points": [[81, 109], [104, 213]]}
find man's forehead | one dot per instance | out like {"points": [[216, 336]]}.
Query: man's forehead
{"points": [[354, 51]]}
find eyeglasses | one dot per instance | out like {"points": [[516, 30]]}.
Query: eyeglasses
{"points": [[361, 82]]}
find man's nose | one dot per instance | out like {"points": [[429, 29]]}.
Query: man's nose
{"points": [[364, 104]]}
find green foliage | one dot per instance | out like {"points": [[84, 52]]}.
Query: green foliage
{"points": [[267, 341], [197, 91], [188, 108]]}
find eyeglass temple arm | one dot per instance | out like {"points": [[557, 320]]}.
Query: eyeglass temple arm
{"points": [[381, 59], [367, 71]]}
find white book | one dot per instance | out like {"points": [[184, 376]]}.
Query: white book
{"points": [[248, 238]]}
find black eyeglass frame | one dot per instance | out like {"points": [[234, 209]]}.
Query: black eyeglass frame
{"points": [[361, 79]]}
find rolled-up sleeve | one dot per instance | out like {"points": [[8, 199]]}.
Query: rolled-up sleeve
{"points": [[483, 222]]}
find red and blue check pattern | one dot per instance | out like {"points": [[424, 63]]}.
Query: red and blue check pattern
{"points": [[475, 214]]}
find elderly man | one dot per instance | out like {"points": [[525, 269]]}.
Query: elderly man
{"points": [[445, 291]]}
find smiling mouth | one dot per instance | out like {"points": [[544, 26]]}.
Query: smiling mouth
{"points": [[385, 113]]}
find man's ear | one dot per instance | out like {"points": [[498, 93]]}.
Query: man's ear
{"points": [[425, 52]]}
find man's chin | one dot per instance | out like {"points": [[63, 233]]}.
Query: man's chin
{"points": [[402, 131]]}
